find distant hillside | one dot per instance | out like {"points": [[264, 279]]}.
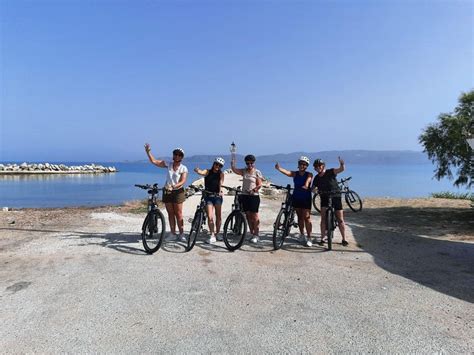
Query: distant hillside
{"points": [[350, 156]]}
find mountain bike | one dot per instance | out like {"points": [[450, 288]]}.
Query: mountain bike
{"points": [[331, 220], [153, 228], [351, 197], [235, 226], [200, 217], [285, 219]]}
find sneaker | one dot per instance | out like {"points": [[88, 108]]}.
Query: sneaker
{"points": [[219, 237], [255, 239], [182, 238], [211, 239], [171, 237], [345, 243], [301, 238], [308, 242]]}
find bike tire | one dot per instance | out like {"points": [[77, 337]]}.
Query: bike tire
{"points": [[280, 229], [353, 201], [153, 231], [317, 202], [330, 226], [196, 225], [235, 229]]}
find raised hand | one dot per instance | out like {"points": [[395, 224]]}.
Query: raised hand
{"points": [[340, 161], [147, 147], [277, 166]]}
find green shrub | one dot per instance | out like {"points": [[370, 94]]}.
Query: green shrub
{"points": [[454, 195]]}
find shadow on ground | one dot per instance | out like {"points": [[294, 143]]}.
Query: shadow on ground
{"points": [[426, 245]]}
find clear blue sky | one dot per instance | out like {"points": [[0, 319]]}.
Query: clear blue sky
{"points": [[94, 80]]}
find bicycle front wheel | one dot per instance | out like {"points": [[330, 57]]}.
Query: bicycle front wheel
{"points": [[330, 226], [353, 201], [153, 230], [235, 228], [195, 229], [280, 229], [317, 202]]}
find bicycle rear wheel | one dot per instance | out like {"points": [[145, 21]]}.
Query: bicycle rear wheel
{"points": [[280, 229], [330, 226], [317, 202], [153, 230], [195, 229], [353, 201], [235, 228]]}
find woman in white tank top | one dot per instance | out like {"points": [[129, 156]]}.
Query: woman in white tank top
{"points": [[174, 195]]}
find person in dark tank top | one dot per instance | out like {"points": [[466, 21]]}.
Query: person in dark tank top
{"points": [[301, 199], [325, 181], [213, 180]]}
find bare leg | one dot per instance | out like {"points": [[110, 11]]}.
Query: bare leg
{"points": [[250, 221], [178, 212], [342, 225], [307, 222], [323, 223], [210, 218], [300, 214], [218, 217], [171, 217]]}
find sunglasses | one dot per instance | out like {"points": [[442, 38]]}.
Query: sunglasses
{"points": [[303, 164], [219, 165], [249, 162]]}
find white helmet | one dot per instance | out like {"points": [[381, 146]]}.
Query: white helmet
{"points": [[178, 150], [219, 160], [303, 158]]}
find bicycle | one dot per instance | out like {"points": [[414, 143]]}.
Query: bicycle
{"points": [[330, 217], [350, 196], [285, 218], [154, 226], [200, 216], [235, 226]]}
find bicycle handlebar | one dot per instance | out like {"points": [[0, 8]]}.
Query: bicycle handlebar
{"points": [[238, 189], [147, 186], [279, 187], [346, 179], [199, 188]]}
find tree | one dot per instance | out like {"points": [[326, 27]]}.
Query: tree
{"points": [[446, 144]]}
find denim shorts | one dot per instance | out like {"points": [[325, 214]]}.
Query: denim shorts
{"points": [[213, 200]]}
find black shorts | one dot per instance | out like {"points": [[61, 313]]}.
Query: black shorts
{"points": [[302, 203], [249, 203], [336, 202]]}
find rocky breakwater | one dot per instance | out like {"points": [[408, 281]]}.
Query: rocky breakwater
{"points": [[47, 168]]}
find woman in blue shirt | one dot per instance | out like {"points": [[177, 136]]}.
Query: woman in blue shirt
{"points": [[301, 200]]}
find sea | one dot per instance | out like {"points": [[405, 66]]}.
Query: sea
{"points": [[25, 191]]}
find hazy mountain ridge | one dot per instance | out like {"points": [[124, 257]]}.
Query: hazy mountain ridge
{"points": [[350, 156]]}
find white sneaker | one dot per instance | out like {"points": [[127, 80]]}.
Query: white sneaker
{"points": [[308, 242], [255, 239], [171, 237], [211, 239], [219, 237], [182, 237]]}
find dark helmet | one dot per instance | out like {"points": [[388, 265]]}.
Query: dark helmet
{"points": [[178, 151], [319, 162], [250, 157]]}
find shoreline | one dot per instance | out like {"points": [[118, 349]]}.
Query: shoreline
{"points": [[369, 202]]}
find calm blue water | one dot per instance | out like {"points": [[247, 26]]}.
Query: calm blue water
{"points": [[113, 189]]}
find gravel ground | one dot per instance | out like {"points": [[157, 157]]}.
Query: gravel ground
{"points": [[78, 280]]}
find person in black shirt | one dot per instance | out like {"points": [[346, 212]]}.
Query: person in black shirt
{"points": [[325, 181], [213, 180]]}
